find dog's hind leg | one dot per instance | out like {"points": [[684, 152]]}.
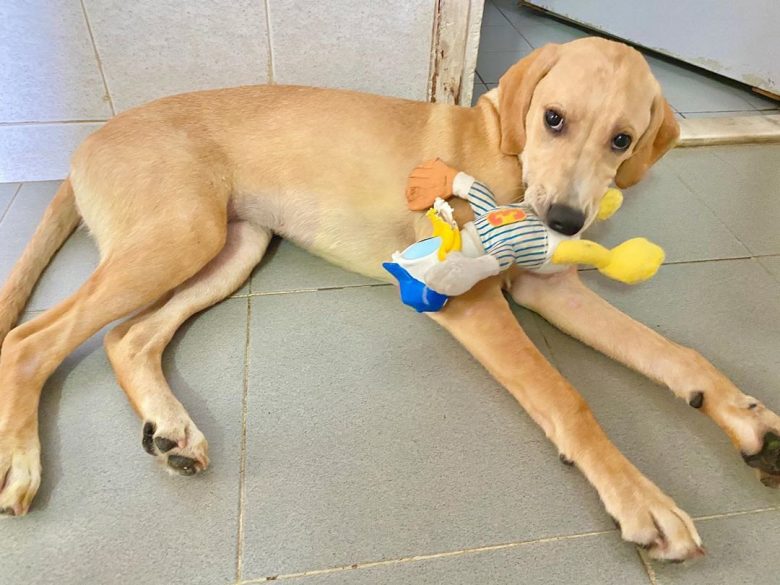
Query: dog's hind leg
{"points": [[143, 261], [136, 346]]}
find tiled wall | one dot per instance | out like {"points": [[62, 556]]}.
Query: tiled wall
{"points": [[68, 65]]}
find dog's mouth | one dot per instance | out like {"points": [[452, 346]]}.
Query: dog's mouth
{"points": [[560, 217]]}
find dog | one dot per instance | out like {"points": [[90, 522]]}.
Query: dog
{"points": [[184, 194]]}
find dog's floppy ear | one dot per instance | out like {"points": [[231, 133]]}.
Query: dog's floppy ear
{"points": [[515, 90], [660, 136]]}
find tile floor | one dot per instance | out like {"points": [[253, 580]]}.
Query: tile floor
{"points": [[349, 460], [509, 32], [327, 451]]}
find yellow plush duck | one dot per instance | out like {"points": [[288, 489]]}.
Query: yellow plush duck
{"points": [[505, 235], [633, 261]]}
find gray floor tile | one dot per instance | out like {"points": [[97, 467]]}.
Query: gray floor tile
{"points": [[7, 193], [760, 102], [596, 560], [729, 114], [286, 267], [743, 551], [702, 305], [739, 184], [772, 264], [502, 37], [39, 152], [492, 65], [690, 91], [662, 209], [479, 89], [108, 513], [153, 49], [48, 71], [373, 435], [492, 16], [761, 161], [539, 29]]}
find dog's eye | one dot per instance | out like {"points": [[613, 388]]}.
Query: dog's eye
{"points": [[621, 142], [554, 120]]}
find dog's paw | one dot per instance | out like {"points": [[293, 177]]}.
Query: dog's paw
{"points": [[756, 430], [649, 518], [767, 460], [178, 443], [20, 476]]}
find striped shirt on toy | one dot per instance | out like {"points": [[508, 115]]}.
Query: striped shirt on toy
{"points": [[513, 234]]}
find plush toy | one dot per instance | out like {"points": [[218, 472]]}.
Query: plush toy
{"points": [[453, 260]]}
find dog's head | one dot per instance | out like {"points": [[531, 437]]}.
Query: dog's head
{"points": [[580, 116]]}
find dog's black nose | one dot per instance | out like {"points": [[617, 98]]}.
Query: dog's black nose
{"points": [[564, 219]]}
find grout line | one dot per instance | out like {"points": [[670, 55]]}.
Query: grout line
{"points": [[242, 466], [52, 122], [698, 261], [512, 24], [501, 12], [750, 110], [646, 562], [271, 72], [97, 58], [679, 262], [737, 513], [10, 203], [426, 557], [310, 290]]}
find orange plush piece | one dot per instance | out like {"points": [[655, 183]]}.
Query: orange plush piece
{"points": [[428, 181]]}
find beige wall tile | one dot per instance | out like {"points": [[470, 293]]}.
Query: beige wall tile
{"points": [[39, 152], [48, 70], [381, 47], [151, 49]]}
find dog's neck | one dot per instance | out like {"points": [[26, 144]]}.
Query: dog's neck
{"points": [[480, 155]]}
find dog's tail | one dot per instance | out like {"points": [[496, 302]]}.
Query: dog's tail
{"points": [[59, 221]]}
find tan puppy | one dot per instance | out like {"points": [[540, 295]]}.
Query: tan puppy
{"points": [[184, 194]]}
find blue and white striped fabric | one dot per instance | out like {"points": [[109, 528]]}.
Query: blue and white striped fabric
{"points": [[513, 234]]}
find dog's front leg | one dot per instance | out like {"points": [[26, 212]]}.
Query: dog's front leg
{"points": [[568, 304], [483, 322]]}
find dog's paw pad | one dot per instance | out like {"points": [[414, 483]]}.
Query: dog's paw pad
{"points": [[186, 455], [183, 465]]}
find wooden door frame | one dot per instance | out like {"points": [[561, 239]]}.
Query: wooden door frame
{"points": [[455, 41]]}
